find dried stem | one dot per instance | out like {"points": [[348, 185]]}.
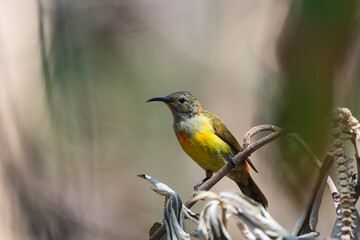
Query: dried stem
{"points": [[256, 130]]}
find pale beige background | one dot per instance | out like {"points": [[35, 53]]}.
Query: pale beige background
{"points": [[215, 49]]}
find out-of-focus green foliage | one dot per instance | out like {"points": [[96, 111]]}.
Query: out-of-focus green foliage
{"points": [[312, 50]]}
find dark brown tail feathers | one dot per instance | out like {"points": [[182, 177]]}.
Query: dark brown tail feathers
{"points": [[253, 191]]}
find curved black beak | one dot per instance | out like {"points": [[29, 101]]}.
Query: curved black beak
{"points": [[161, 99]]}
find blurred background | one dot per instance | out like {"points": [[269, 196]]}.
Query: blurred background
{"points": [[75, 128]]}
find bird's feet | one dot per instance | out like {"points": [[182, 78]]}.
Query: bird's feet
{"points": [[196, 189], [197, 186], [231, 161], [208, 176]]}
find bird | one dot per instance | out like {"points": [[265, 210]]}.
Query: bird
{"points": [[205, 139]]}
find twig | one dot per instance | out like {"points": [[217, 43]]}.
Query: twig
{"points": [[241, 156], [257, 129]]}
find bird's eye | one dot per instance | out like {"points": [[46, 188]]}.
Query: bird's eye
{"points": [[181, 100]]}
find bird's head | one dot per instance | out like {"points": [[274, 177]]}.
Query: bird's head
{"points": [[181, 104]]}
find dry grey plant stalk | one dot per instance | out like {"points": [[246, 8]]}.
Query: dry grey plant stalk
{"points": [[251, 217], [344, 122]]}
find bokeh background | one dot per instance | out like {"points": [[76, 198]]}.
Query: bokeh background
{"points": [[75, 129]]}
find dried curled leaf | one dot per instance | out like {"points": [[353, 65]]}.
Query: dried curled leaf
{"points": [[253, 219], [174, 219], [161, 188], [174, 212]]}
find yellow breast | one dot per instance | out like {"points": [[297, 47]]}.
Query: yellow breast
{"points": [[199, 141]]}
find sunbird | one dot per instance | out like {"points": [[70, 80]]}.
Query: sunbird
{"points": [[204, 137]]}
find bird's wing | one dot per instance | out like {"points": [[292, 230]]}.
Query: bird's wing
{"points": [[222, 132]]}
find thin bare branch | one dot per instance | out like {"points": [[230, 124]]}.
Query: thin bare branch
{"points": [[256, 130]]}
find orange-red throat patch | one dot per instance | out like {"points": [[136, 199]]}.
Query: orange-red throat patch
{"points": [[183, 138]]}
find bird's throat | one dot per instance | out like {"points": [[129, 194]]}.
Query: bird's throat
{"points": [[187, 128]]}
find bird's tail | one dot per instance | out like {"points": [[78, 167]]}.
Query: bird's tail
{"points": [[253, 191]]}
